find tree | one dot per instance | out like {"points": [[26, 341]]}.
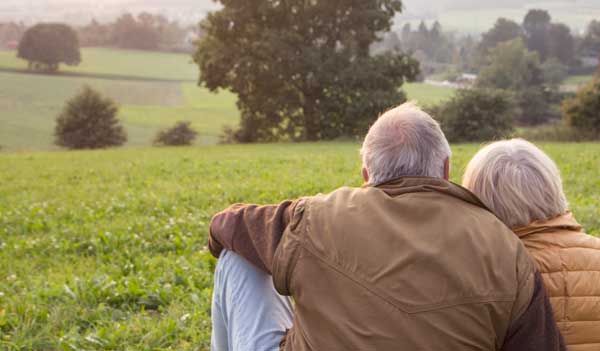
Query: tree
{"points": [[298, 74], [46, 46], [504, 30], [590, 46], [536, 25], [89, 121], [561, 43], [132, 33], [477, 115], [583, 110], [179, 135], [512, 67]]}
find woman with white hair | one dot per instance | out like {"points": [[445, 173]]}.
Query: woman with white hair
{"points": [[523, 187]]}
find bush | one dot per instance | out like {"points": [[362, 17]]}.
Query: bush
{"points": [[179, 135], [89, 121], [583, 111], [552, 132], [476, 115]]}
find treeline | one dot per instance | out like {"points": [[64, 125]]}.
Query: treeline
{"points": [[439, 50], [142, 32]]}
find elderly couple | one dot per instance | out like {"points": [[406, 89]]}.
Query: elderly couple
{"points": [[411, 261]]}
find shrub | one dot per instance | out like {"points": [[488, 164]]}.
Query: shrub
{"points": [[476, 115], [551, 132], [179, 135], [583, 110], [89, 121]]}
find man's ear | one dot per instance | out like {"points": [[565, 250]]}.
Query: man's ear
{"points": [[447, 169], [365, 175]]}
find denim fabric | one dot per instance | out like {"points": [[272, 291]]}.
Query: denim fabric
{"points": [[247, 313]]}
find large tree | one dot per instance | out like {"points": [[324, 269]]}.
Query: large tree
{"points": [[503, 30], [590, 45], [45, 46], [302, 70], [536, 26]]}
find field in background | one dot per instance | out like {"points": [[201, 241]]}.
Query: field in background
{"points": [[101, 250], [154, 89]]}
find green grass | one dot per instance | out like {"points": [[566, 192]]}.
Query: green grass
{"points": [[128, 63], [105, 250], [426, 94], [31, 102]]}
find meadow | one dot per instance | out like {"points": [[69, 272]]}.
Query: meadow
{"points": [[106, 250], [154, 90]]}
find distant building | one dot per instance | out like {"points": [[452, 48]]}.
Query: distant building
{"points": [[590, 61], [12, 45]]}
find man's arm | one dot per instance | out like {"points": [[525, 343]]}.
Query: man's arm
{"points": [[251, 231], [535, 329]]}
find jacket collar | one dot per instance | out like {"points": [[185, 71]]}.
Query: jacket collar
{"points": [[563, 222], [413, 184]]}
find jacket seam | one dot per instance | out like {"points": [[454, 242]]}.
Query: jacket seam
{"points": [[416, 310]]}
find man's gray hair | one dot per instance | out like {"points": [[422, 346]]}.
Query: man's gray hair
{"points": [[404, 141], [517, 181]]}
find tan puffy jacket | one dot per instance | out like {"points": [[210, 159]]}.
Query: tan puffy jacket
{"points": [[570, 264]]}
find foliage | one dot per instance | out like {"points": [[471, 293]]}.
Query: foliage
{"points": [[299, 75], [536, 25], [561, 44], [179, 135], [590, 44], [515, 69], [553, 132], [89, 121], [107, 250], [48, 45], [436, 45], [511, 66], [504, 30], [476, 115], [554, 72], [583, 110]]}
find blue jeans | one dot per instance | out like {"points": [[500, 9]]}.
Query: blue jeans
{"points": [[247, 313]]}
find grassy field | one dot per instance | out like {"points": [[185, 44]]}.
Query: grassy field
{"points": [[124, 63], [105, 250], [426, 94], [154, 90]]}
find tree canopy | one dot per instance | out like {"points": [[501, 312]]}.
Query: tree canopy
{"points": [[47, 45], [302, 70]]}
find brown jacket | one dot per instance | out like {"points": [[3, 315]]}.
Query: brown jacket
{"points": [[570, 264], [416, 264]]}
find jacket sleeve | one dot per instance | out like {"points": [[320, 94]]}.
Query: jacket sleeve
{"points": [[251, 231], [535, 329]]}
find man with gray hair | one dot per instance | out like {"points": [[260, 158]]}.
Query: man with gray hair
{"points": [[410, 261]]}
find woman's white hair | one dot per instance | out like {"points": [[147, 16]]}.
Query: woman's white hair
{"points": [[517, 181], [404, 141]]}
